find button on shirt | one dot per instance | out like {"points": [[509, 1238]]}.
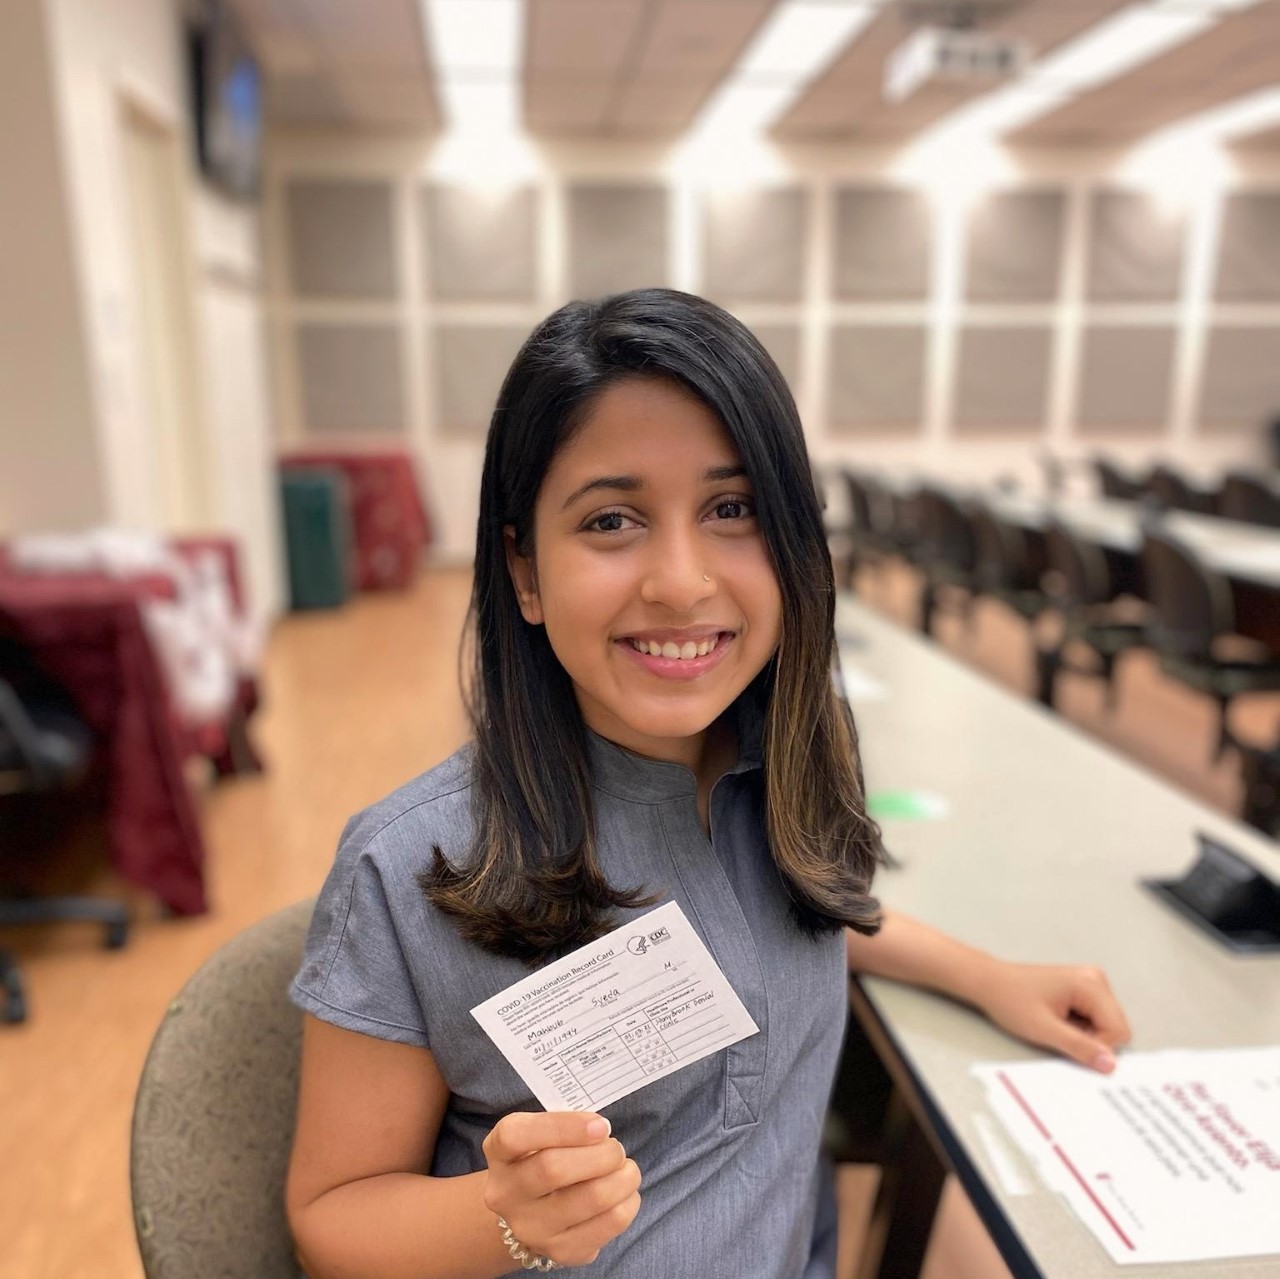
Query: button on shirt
{"points": [[728, 1146]]}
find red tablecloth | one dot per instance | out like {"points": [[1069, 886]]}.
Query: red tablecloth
{"points": [[390, 522], [87, 631]]}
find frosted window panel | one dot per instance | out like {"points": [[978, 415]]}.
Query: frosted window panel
{"points": [[471, 361], [341, 239], [883, 244], [617, 238], [1135, 249], [1126, 377], [1241, 388], [782, 341], [481, 245], [1014, 247], [1249, 248], [1003, 379], [351, 377], [753, 245], [876, 377]]}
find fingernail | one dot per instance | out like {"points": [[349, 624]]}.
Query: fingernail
{"points": [[1104, 1062], [599, 1128]]}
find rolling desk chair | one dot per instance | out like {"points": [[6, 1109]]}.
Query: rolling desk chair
{"points": [[945, 555], [44, 748], [1078, 582], [1114, 483], [1192, 615], [1004, 568], [1244, 498]]}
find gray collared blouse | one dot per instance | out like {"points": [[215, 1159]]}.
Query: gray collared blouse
{"points": [[728, 1146]]}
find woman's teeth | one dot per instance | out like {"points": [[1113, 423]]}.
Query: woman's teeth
{"points": [[682, 652]]}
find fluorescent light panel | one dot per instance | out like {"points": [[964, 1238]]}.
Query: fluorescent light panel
{"points": [[477, 46]]}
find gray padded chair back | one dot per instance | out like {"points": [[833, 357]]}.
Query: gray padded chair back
{"points": [[213, 1118]]}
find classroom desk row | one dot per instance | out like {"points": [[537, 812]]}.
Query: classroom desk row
{"points": [[1037, 860], [1246, 555]]}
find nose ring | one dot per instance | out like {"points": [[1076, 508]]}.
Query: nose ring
{"points": [[705, 578]]}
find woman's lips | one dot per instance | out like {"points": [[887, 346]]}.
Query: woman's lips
{"points": [[678, 668]]}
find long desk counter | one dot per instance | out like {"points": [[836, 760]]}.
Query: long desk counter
{"points": [[1037, 860], [1238, 551]]}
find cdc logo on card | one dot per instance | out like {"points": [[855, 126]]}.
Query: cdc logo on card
{"points": [[640, 943]]}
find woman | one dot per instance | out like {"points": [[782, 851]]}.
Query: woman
{"points": [[654, 721]]}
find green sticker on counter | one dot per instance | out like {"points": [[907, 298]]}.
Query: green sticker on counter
{"points": [[906, 805]]}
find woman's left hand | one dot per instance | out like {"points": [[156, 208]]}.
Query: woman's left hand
{"points": [[1070, 1009]]}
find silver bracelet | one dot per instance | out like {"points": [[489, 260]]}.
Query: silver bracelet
{"points": [[528, 1260]]}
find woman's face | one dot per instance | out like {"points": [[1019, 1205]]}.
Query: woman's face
{"points": [[645, 536]]}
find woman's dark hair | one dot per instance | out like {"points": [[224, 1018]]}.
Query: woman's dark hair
{"points": [[532, 886]]}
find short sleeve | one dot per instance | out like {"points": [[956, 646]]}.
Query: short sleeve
{"points": [[354, 973]]}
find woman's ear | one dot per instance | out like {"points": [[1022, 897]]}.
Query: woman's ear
{"points": [[524, 576]]}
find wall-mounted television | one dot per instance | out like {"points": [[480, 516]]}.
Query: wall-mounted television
{"points": [[227, 85]]}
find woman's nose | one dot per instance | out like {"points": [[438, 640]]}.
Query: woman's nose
{"points": [[678, 574]]}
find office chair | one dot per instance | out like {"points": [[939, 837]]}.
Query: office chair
{"points": [[214, 1114], [1244, 498], [1114, 483], [45, 748], [1078, 583], [1172, 492], [1004, 567], [1192, 613], [945, 555], [868, 544]]}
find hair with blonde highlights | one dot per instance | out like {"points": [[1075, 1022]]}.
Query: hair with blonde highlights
{"points": [[532, 885]]}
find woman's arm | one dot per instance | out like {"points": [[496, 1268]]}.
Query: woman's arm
{"points": [[361, 1207], [1067, 1008]]}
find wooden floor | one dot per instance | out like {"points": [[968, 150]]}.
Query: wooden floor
{"points": [[356, 702]]}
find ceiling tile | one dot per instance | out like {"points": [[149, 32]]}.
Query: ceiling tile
{"points": [[564, 104], [699, 36], [588, 37]]}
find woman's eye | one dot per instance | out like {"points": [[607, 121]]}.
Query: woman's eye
{"points": [[606, 522], [735, 508]]}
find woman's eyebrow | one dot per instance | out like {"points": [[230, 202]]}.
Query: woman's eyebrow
{"points": [[632, 483], [627, 483]]}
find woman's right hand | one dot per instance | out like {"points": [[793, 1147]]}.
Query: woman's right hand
{"points": [[563, 1185]]}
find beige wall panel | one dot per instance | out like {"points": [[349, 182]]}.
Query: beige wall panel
{"points": [[1249, 248], [876, 378], [471, 362], [617, 238], [350, 377], [883, 244], [1002, 380], [341, 238], [481, 245], [1241, 388], [1135, 249], [753, 245], [1126, 379], [1014, 247]]}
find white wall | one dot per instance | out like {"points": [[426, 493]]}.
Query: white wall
{"points": [[50, 475], [452, 463], [107, 55]]}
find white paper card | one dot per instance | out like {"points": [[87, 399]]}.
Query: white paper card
{"points": [[636, 1005], [1175, 1156]]}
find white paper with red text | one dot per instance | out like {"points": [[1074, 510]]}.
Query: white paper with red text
{"points": [[1173, 1157]]}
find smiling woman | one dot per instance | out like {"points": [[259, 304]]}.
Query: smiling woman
{"points": [[646, 485], [652, 634]]}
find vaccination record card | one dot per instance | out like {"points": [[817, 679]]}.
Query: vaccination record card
{"points": [[636, 1005]]}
